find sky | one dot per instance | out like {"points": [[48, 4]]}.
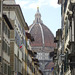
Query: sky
{"points": [[49, 9]]}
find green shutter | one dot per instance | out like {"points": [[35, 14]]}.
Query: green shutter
{"points": [[8, 33], [3, 44], [8, 50], [9, 70], [5, 47], [5, 68]]}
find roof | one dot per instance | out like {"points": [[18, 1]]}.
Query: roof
{"points": [[42, 36], [20, 14]]}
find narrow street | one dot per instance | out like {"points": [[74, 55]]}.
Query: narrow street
{"points": [[37, 37]]}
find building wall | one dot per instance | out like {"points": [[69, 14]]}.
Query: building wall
{"points": [[19, 39], [5, 48], [15, 59], [64, 64]]}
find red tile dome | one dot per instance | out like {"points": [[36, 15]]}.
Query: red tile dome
{"points": [[42, 35]]}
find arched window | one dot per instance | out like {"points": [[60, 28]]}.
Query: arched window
{"points": [[37, 20]]}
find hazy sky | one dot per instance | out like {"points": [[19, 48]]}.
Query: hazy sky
{"points": [[49, 9]]}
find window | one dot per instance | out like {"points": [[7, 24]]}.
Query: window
{"points": [[66, 30], [9, 70], [20, 68], [5, 47], [3, 42], [5, 68], [5, 29], [3, 26], [8, 33], [8, 50], [23, 31], [37, 20], [25, 58], [15, 36], [15, 63], [9, 14], [17, 39]]}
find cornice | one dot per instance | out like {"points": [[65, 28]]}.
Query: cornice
{"points": [[19, 13]]}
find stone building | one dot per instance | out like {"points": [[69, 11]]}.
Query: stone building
{"points": [[5, 46], [67, 39], [17, 37], [14, 54], [43, 42], [5, 28]]}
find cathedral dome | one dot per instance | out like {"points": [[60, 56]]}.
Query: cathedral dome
{"points": [[43, 43], [41, 33], [42, 36]]}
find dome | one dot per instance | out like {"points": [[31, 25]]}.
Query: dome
{"points": [[42, 36], [41, 33], [43, 43]]}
